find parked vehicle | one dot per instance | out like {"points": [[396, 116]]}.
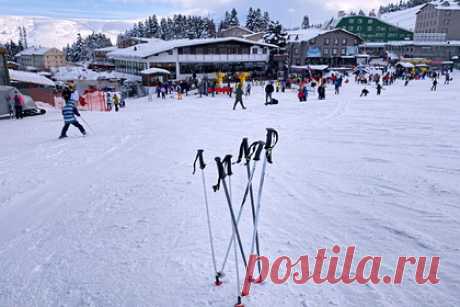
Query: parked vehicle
{"points": [[29, 109]]}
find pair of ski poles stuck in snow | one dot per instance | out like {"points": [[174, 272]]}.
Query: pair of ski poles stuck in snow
{"points": [[247, 153]]}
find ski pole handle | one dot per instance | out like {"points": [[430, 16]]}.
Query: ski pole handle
{"points": [[256, 149], [227, 162], [271, 141], [199, 158], [220, 173], [244, 151]]}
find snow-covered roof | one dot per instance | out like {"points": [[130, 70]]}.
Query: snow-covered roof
{"points": [[67, 73], [443, 5], [154, 70], [237, 27], [34, 51], [389, 23], [304, 35], [29, 77], [112, 48], [156, 47], [405, 64], [308, 34], [412, 43]]}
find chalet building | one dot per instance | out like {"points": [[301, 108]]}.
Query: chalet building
{"points": [[439, 20], [4, 78], [431, 50], [235, 31], [372, 29], [315, 46], [41, 58], [101, 61], [184, 58]]}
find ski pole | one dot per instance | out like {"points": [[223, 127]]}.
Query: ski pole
{"points": [[86, 123], [199, 158], [235, 251], [272, 139], [227, 161], [254, 152]]}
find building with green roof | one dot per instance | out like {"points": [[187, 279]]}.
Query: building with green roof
{"points": [[372, 29]]}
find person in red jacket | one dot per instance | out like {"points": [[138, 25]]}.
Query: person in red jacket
{"points": [[18, 105]]}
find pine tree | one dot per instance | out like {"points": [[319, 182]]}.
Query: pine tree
{"points": [[266, 21], [305, 22], [233, 21], [276, 35], [251, 20]]}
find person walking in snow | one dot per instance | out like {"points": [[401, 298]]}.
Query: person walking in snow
{"points": [[10, 106], [69, 111], [447, 78], [435, 85], [269, 89], [116, 102], [109, 102], [239, 97], [379, 89], [248, 89], [364, 92], [18, 105]]}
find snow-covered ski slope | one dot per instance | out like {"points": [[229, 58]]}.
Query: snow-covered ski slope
{"points": [[117, 219]]}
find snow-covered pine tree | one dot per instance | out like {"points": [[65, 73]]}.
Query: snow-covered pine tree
{"points": [[276, 35], [305, 22], [266, 21], [211, 27], [233, 21], [251, 20]]}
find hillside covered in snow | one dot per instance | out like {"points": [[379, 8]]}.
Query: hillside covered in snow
{"points": [[52, 32]]}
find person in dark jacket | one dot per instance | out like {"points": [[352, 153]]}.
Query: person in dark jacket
{"points": [[69, 111], [269, 89], [239, 97], [379, 89], [435, 85]]}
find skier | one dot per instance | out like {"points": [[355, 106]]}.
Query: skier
{"points": [[69, 111], [447, 78], [239, 97], [116, 102], [10, 106], [18, 105], [109, 102], [364, 92], [269, 89], [435, 85], [379, 89], [248, 89], [163, 92]]}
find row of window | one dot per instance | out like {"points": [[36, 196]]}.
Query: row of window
{"points": [[336, 41], [334, 51], [360, 21]]}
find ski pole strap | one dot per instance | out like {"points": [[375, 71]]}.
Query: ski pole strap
{"points": [[271, 141], [224, 169], [199, 158]]}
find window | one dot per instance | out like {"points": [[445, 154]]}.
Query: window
{"points": [[360, 21], [326, 51], [336, 41], [344, 41], [369, 29], [265, 50], [351, 28], [344, 51], [255, 50], [334, 51], [326, 41], [351, 21], [370, 21]]}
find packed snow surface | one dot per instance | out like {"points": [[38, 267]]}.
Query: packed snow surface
{"points": [[117, 219]]}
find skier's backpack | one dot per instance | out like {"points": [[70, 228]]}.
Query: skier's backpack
{"points": [[274, 101]]}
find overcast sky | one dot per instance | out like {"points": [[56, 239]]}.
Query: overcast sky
{"points": [[289, 12]]}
